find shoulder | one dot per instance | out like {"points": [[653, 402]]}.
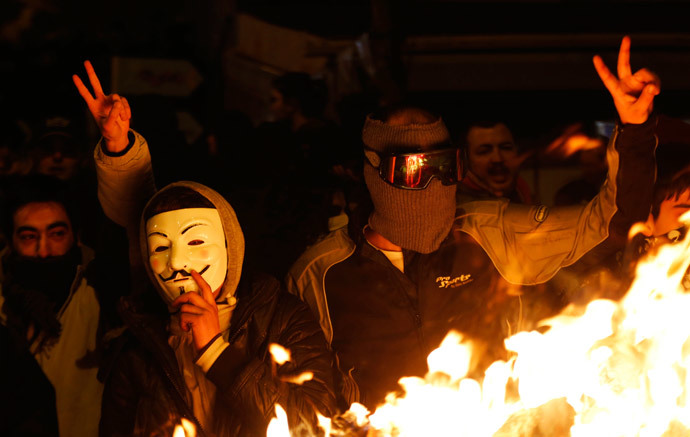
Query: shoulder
{"points": [[333, 248]]}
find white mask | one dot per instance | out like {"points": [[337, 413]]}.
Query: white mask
{"points": [[183, 240]]}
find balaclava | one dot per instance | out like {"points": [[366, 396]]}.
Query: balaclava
{"points": [[417, 220]]}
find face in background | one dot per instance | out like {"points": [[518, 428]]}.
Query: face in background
{"points": [[183, 240], [670, 212], [58, 157], [278, 108], [42, 229], [493, 159]]}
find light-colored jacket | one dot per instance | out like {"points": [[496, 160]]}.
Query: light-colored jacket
{"points": [[527, 244], [68, 363]]}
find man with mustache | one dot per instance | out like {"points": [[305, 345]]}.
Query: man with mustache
{"points": [[493, 164]]}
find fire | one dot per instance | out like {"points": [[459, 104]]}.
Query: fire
{"points": [[279, 354], [612, 368], [185, 429], [571, 141]]}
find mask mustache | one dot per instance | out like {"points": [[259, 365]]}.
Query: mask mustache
{"points": [[183, 273]]}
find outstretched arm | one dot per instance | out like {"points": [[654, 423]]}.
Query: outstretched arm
{"points": [[529, 245], [123, 161]]}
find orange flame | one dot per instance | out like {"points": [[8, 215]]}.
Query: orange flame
{"points": [[612, 368], [184, 429], [571, 141]]}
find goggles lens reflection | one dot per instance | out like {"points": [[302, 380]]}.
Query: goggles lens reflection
{"points": [[415, 171]]}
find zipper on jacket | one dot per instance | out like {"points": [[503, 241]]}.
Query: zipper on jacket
{"points": [[178, 390]]}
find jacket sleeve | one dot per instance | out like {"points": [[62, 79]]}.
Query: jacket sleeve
{"points": [[125, 183], [252, 383], [529, 244]]}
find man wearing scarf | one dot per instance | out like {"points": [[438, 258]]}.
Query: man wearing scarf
{"points": [[49, 302]]}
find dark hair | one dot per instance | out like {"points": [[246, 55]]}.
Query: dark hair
{"points": [[37, 188], [175, 198], [302, 91], [671, 189]]}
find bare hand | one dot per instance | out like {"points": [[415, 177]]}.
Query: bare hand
{"points": [[199, 313], [111, 112], [633, 94]]}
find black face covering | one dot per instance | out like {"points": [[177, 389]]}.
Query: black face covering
{"points": [[51, 276]]}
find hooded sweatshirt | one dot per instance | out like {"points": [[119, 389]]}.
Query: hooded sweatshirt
{"points": [[201, 392], [145, 392]]}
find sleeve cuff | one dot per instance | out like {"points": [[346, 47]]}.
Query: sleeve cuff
{"points": [[130, 139], [211, 353]]}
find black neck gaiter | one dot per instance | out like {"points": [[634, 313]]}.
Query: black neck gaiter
{"points": [[34, 290], [51, 276]]}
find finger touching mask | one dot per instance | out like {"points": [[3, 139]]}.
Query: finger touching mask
{"points": [[183, 240]]}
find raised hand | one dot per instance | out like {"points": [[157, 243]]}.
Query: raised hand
{"points": [[199, 313], [111, 112], [633, 94]]}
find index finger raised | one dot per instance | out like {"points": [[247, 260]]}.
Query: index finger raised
{"points": [[610, 81], [206, 292], [83, 91]]}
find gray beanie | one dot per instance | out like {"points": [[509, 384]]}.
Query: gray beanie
{"points": [[417, 220]]}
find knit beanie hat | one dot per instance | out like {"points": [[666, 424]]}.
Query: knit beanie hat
{"points": [[417, 220]]}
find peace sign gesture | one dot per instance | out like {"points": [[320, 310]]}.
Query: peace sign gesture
{"points": [[111, 112], [633, 94]]}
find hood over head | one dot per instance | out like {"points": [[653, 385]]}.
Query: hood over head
{"points": [[234, 238]]}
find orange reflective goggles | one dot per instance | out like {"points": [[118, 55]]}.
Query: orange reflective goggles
{"points": [[415, 170]]}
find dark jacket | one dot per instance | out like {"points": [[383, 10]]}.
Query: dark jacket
{"points": [[145, 393]]}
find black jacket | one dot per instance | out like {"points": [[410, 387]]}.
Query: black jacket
{"points": [[145, 392]]}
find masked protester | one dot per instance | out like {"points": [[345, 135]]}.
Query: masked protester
{"points": [[198, 347], [420, 269], [52, 302]]}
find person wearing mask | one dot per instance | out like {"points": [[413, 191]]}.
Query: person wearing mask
{"points": [[200, 336], [419, 269]]}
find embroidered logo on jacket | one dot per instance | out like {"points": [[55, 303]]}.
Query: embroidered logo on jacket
{"points": [[447, 282], [541, 214]]}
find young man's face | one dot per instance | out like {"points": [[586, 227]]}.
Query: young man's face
{"points": [[670, 212], [493, 157], [183, 240], [42, 229]]}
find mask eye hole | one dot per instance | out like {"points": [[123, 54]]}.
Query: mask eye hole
{"points": [[195, 242], [161, 249]]}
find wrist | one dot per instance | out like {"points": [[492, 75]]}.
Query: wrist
{"points": [[106, 146], [116, 145]]}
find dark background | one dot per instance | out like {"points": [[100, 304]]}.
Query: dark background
{"points": [[528, 62]]}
